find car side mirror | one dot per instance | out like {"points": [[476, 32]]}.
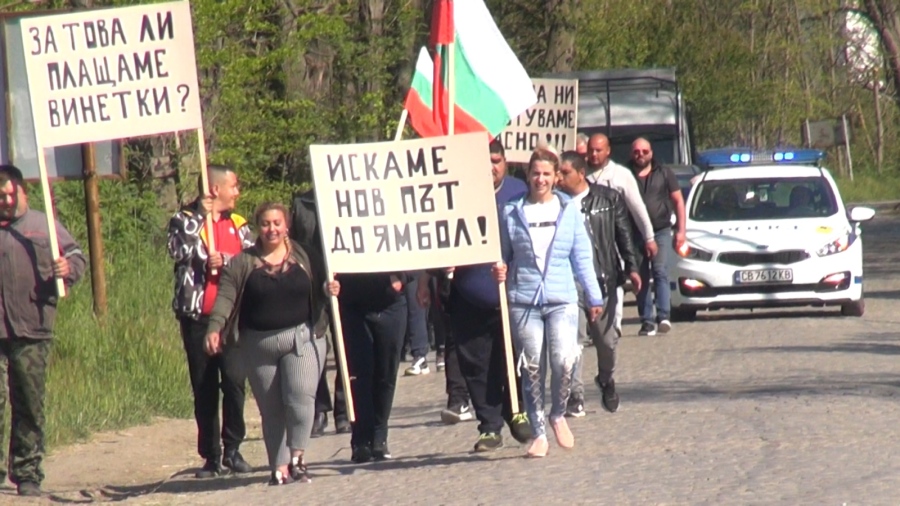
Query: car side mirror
{"points": [[858, 214]]}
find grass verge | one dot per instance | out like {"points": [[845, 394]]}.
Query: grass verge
{"points": [[870, 188], [122, 371]]}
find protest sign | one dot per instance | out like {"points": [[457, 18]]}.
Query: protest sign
{"points": [[17, 140], [111, 73], [406, 205], [553, 119]]}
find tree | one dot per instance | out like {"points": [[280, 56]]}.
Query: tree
{"points": [[561, 42], [885, 18]]}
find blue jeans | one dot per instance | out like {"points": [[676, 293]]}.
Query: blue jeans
{"points": [[659, 269], [416, 321], [532, 327]]}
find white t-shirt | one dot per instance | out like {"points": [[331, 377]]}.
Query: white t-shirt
{"points": [[576, 199], [541, 219]]}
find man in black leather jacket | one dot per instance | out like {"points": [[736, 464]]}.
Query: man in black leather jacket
{"points": [[615, 256]]}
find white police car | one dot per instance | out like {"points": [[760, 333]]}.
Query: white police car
{"points": [[768, 230]]}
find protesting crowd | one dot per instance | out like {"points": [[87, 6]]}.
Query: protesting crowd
{"points": [[256, 310]]}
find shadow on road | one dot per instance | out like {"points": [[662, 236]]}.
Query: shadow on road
{"points": [[767, 314], [883, 294], [878, 343], [682, 391], [179, 483], [346, 467]]}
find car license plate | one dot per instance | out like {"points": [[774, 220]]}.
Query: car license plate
{"points": [[764, 276]]}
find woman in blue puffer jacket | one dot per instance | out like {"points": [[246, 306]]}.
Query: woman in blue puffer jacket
{"points": [[544, 240]]}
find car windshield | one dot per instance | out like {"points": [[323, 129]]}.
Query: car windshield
{"points": [[763, 199]]}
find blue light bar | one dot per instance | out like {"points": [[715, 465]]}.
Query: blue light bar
{"points": [[737, 157]]}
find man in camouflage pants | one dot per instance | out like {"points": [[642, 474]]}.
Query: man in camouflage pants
{"points": [[28, 301]]}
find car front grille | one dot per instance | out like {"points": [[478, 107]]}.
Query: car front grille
{"points": [[744, 258]]}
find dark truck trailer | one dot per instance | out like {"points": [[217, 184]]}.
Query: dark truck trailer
{"points": [[626, 104]]}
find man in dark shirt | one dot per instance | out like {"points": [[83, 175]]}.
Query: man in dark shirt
{"points": [[662, 195]]}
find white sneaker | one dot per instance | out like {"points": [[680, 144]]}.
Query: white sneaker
{"points": [[457, 414], [664, 326], [419, 367]]}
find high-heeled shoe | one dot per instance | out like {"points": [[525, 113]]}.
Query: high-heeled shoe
{"points": [[299, 470], [280, 479]]}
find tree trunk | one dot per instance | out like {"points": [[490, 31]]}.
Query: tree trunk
{"points": [[885, 16], [879, 124], [561, 44]]}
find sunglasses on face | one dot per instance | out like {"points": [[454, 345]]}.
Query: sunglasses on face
{"points": [[641, 152]]}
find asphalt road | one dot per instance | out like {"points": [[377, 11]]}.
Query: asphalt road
{"points": [[769, 407]]}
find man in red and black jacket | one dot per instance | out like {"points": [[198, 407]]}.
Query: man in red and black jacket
{"points": [[195, 294]]}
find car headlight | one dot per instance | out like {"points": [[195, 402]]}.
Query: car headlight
{"points": [[694, 253], [838, 245]]}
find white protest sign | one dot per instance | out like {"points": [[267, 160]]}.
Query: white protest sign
{"points": [[553, 119], [406, 205], [111, 73]]}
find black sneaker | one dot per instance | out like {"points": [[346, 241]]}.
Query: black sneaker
{"points": [[235, 461], [520, 428], [439, 363], [361, 454], [341, 425], [29, 489], [575, 407], [456, 414], [647, 329], [610, 398], [210, 469], [380, 451], [298, 470], [280, 479], [489, 441], [319, 424]]}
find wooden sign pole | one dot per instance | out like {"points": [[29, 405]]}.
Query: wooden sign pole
{"points": [[204, 178], [508, 351], [48, 210], [340, 352]]}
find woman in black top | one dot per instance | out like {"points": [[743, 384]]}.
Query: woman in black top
{"points": [[275, 293]]}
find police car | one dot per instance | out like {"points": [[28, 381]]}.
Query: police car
{"points": [[768, 230]]}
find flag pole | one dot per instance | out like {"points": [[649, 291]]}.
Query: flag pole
{"points": [[400, 125], [451, 86]]}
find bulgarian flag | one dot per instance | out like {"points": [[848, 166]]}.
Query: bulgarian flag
{"points": [[490, 86]]}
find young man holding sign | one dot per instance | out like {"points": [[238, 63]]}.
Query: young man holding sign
{"points": [[476, 327], [195, 295], [28, 301]]}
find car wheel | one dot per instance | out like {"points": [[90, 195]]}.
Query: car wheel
{"points": [[855, 308], [683, 315]]}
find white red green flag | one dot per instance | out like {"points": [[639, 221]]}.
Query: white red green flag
{"points": [[490, 85]]}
